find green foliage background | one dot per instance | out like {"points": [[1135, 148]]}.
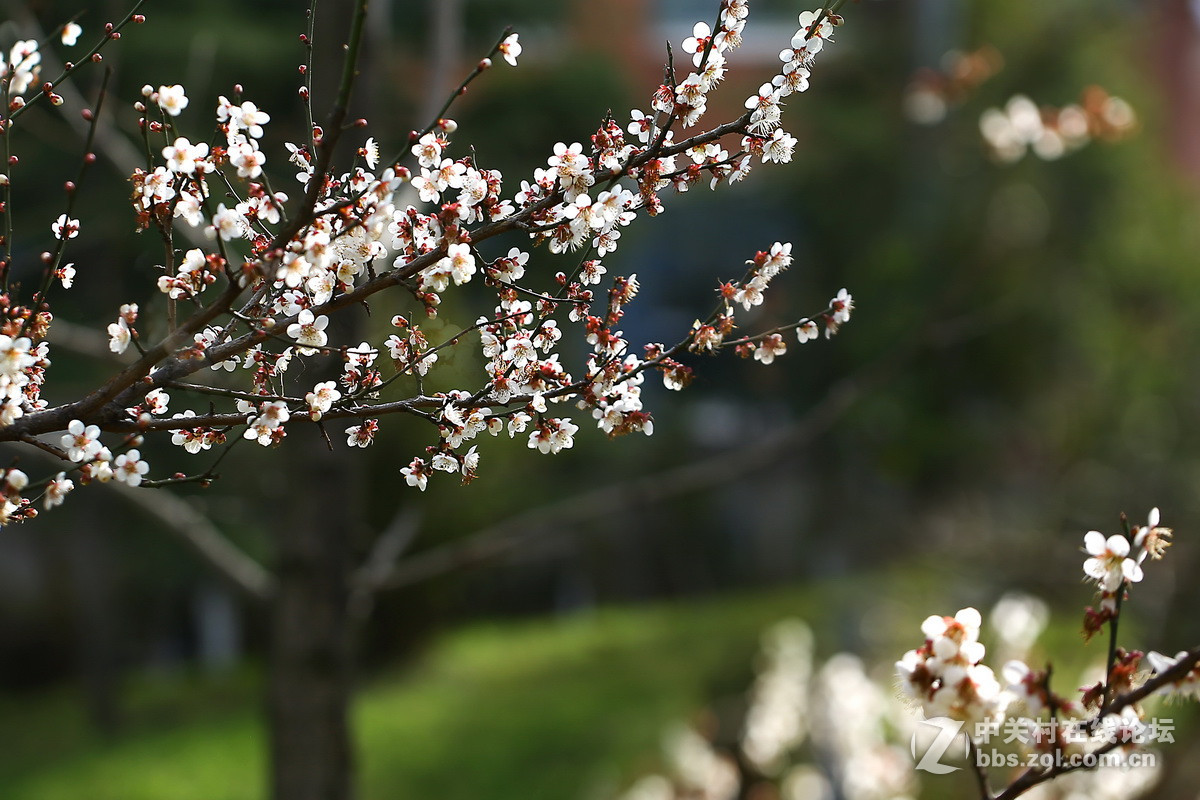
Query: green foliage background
{"points": [[1052, 310]]}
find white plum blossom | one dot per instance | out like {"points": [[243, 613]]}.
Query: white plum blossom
{"points": [[183, 157], [119, 336], [459, 262], [81, 443], [1151, 539], [1109, 563], [228, 224], [321, 399], [101, 466], [66, 275], [129, 468], [193, 440], [428, 150], [280, 266], [517, 423], [57, 490], [69, 37], [553, 435], [510, 48], [171, 99], [15, 358], [26, 65], [765, 108], [806, 331], [362, 435], [751, 294], [640, 125], [247, 158], [842, 305], [15, 480], [156, 401], [779, 147], [771, 346], [812, 36], [238, 118], [416, 473], [309, 332], [698, 42], [64, 227], [945, 674]]}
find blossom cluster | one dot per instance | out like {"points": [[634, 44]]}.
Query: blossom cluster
{"points": [[1051, 133], [810, 729], [946, 675], [1115, 561], [271, 265], [947, 678]]}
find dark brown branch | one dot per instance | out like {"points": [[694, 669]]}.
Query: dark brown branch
{"points": [[1032, 777], [981, 778]]}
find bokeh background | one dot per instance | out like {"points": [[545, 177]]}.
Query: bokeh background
{"points": [[1020, 368]]}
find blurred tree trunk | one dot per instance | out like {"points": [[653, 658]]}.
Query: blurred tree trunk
{"points": [[311, 670], [98, 621], [311, 676], [311, 673]]}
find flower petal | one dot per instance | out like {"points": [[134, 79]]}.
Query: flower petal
{"points": [[1093, 543], [1118, 545]]}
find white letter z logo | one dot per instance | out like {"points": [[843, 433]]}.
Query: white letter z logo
{"points": [[947, 731]]}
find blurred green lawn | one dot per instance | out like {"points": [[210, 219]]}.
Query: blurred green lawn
{"points": [[572, 707]]}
